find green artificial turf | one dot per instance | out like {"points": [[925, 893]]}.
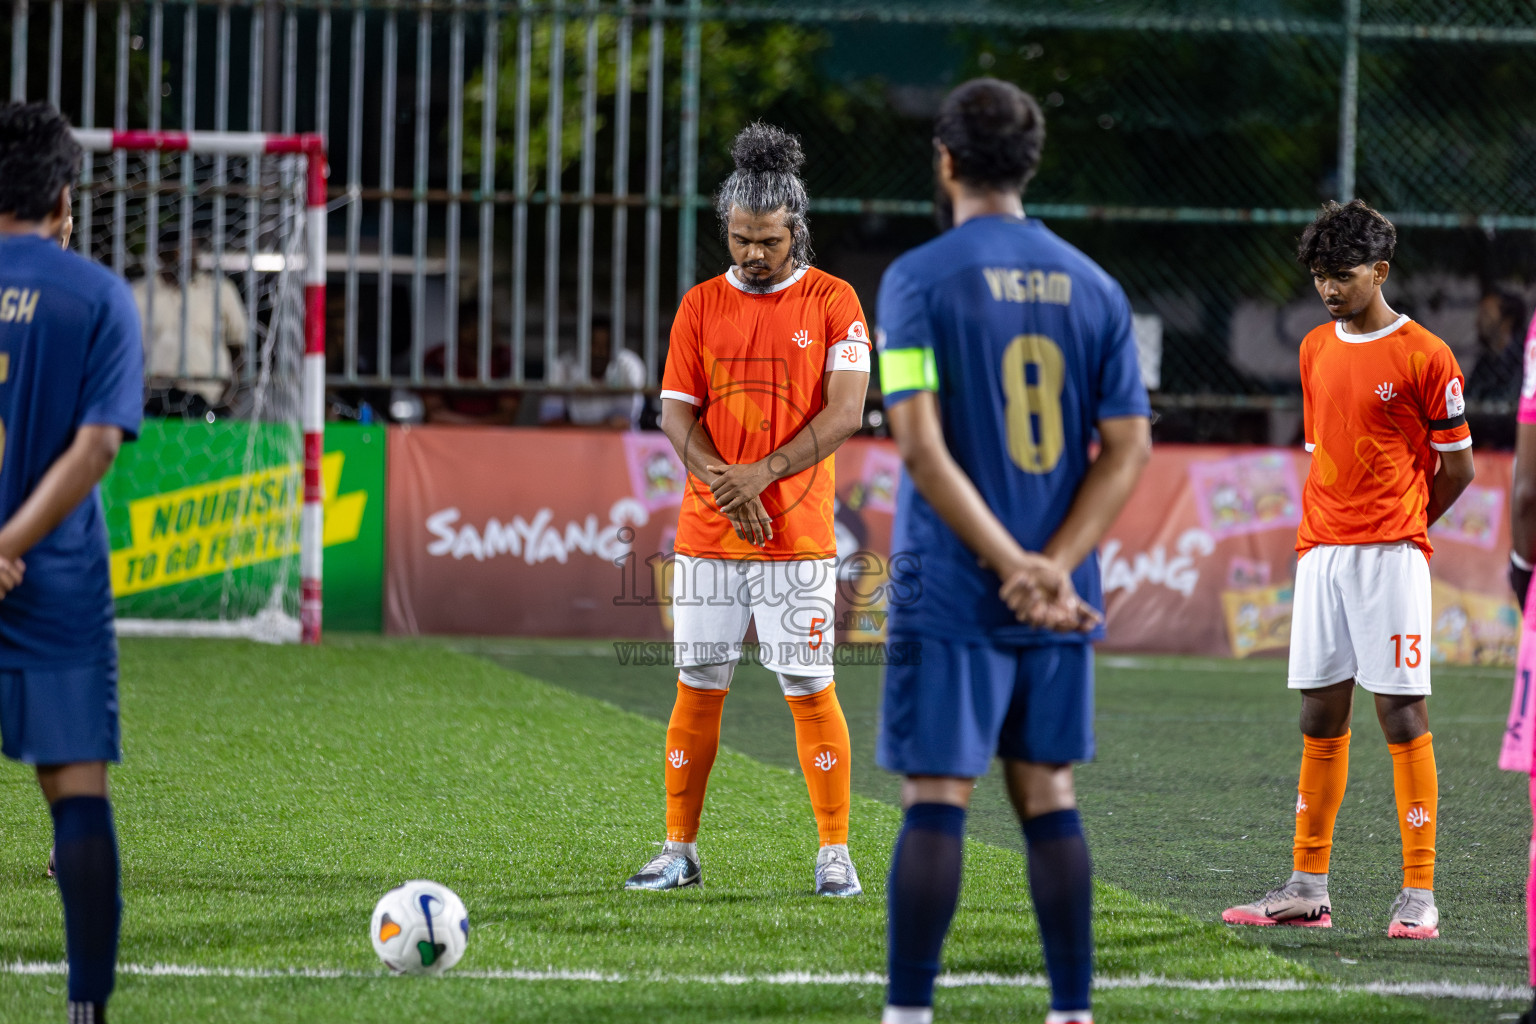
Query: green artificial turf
{"points": [[270, 795], [1190, 802]]}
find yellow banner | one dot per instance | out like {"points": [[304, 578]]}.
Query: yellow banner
{"points": [[1472, 628], [226, 524], [1258, 619]]}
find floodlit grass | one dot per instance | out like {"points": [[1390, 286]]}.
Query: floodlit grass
{"points": [[270, 795]]}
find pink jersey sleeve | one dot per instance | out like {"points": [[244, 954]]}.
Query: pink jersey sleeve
{"points": [[1527, 413]]}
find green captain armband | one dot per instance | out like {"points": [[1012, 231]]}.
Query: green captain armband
{"points": [[908, 369]]}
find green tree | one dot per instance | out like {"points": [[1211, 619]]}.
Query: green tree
{"points": [[746, 70]]}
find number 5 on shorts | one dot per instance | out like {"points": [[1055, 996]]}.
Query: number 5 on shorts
{"points": [[816, 633], [1414, 657]]}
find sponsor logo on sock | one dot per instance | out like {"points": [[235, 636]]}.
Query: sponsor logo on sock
{"points": [[1301, 803], [825, 760], [677, 758], [1417, 817]]}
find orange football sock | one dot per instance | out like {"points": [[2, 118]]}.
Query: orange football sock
{"points": [[693, 737], [1418, 804], [821, 735], [1320, 791]]}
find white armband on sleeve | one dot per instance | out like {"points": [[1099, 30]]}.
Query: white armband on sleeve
{"points": [[848, 355]]}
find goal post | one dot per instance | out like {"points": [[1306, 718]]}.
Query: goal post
{"points": [[229, 230]]}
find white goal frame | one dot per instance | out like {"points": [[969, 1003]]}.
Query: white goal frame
{"points": [[310, 147]]}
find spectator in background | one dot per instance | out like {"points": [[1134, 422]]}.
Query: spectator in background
{"points": [[200, 380], [474, 405], [1495, 377], [608, 369]]}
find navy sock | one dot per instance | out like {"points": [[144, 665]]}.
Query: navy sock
{"points": [[922, 892], [85, 855], [1061, 883]]}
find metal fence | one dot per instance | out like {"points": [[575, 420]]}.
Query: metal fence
{"points": [[516, 184]]}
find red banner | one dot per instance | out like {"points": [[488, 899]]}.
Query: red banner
{"points": [[567, 533]]}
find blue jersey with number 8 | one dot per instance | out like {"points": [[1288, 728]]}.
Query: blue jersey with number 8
{"points": [[1027, 345], [70, 356]]}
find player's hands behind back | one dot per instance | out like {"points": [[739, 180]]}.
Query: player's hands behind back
{"points": [[1039, 592], [11, 572]]}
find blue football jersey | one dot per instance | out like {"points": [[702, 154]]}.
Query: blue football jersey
{"points": [[70, 356], [1027, 344]]}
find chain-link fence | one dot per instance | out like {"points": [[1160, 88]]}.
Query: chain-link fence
{"points": [[517, 185]]}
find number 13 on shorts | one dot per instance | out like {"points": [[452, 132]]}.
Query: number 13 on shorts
{"points": [[1405, 650]]}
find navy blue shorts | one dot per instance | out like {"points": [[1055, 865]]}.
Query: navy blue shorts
{"points": [[951, 708], [59, 715]]}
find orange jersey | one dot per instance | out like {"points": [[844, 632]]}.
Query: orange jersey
{"points": [[754, 364], [1377, 408]]}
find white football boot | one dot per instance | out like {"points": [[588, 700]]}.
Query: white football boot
{"points": [[1301, 902], [675, 867], [835, 874], [1414, 915]]}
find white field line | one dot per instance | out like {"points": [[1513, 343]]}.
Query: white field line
{"points": [[1432, 989]]}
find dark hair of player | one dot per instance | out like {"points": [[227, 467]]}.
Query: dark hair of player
{"points": [[39, 158], [767, 178], [994, 132], [1346, 235]]}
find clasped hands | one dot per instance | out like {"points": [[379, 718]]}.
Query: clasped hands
{"points": [[1039, 592], [736, 490], [11, 572]]}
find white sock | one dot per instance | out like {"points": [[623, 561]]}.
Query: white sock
{"points": [[833, 846], [907, 1015], [691, 849], [1313, 885], [1069, 1017]]}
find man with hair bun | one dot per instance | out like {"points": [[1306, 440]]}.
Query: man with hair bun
{"points": [[765, 379], [1004, 353], [1385, 421]]}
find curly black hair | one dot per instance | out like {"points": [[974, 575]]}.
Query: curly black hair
{"points": [[765, 149], [994, 132], [38, 159], [767, 178], [1346, 235]]}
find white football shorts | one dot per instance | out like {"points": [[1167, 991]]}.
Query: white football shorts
{"points": [[791, 601], [1362, 612]]}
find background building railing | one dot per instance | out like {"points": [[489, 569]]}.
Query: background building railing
{"points": [[517, 183]]}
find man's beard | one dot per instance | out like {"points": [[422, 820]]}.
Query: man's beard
{"points": [[762, 285], [943, 208]]}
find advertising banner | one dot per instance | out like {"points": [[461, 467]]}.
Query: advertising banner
{"points": [[568, 533], [203, 520]]}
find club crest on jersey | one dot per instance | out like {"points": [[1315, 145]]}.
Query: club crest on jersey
{"points": [[1386, 392], [1455, 404], [802, 338]]}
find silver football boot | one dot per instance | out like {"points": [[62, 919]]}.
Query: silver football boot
{"points": [[1414, 915], [673, 868], [835, 874]]}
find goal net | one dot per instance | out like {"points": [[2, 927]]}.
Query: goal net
{"points": [[214, 513]]}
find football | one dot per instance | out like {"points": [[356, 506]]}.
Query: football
{"points": [[419, 927]]}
